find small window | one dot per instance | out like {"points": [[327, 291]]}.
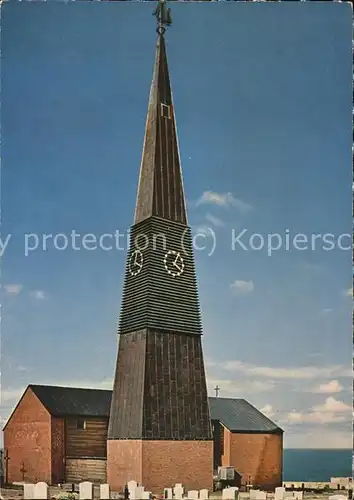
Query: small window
{"points": [[81, 423], [165, 110]]}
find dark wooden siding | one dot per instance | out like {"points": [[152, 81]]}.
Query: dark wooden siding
{"points": [[88, 442], [175, 393], [86, 469]]}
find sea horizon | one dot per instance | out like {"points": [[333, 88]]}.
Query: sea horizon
{"points": [[316, 464], [318, 449]]}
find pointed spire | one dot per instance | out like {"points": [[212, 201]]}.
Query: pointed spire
{"points": [[160, 190]]}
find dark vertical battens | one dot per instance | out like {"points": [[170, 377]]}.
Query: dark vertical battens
{"points": [[159, 388], [160, 190]]}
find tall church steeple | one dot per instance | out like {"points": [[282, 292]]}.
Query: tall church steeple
{"points": [[159, 419], [160, 190]]}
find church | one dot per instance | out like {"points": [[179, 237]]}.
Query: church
{"points": [[157, 426]]}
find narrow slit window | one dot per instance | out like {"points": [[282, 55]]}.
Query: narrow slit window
{"points": [[165, 110], [81, 423]]}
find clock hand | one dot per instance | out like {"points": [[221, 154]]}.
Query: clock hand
{"points": [[175, 263]]}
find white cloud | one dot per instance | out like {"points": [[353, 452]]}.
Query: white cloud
{"points": [[317, 438], [38, 294], [214, 220], [332, 405], [223, 200], [329, 388], [332, 411], [13, 289], [242, 287], [268, 411], [316, 417], [298, 373]]}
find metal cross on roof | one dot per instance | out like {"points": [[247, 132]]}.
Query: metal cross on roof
{"points": [[216, 389]]}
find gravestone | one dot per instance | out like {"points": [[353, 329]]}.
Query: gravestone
{"points": [[147, 495], [178, 491], [28, 491], [139, 491], [168, 493], [279, 493], [193, 495], [41, 491], [337, 497], [105, 493], [203, 494], [132, 486], [230, 493], [86, 490]]}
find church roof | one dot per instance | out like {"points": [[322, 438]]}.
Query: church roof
{"points": [[160, 190], [237, 415], [70, 401]]}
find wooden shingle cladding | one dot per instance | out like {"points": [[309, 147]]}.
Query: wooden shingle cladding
{"points": [[160, 190], [85, 469], [160, 390], [86, 442], [176, 403], [127, 396], [153, 298]]}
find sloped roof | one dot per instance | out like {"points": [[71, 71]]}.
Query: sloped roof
{"points": [[237, 415], [69, 401]]}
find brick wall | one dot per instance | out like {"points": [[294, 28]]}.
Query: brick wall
{"points": [[257, 457], [124, 463], [58, 450], [27, 437], [160, 464]]}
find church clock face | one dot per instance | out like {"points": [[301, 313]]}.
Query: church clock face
{"points": [[174, 264], [136, 262]]}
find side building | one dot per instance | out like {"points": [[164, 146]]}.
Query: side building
{"points": [[59, 435]]}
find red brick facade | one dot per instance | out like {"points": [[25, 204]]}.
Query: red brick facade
{"points": [[58, 450], [258, 458], [36, 441], [27, 439], [160, 464]]}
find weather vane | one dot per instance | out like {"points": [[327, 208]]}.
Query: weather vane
{"points": [[163, 16]]}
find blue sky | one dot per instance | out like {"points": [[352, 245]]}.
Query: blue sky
{"points": [[263, 105]]}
